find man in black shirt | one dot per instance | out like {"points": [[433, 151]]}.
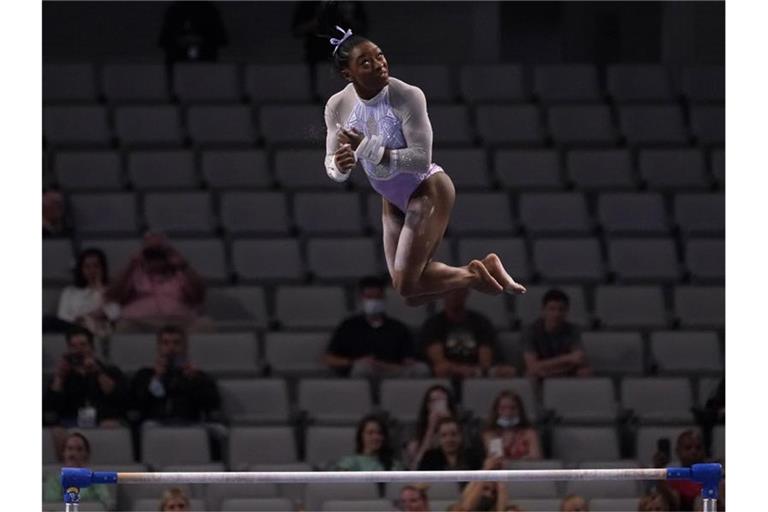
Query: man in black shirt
{"points": [[371, 344], [552, 345], [460, 342], [174, 390]]}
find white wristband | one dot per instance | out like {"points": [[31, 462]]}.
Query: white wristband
{"points": [[333, 172], [371, 148]]}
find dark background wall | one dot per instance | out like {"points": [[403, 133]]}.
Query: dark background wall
{"points": [[452, 32]]}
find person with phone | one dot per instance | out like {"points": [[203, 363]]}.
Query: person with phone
{"points": [[689, 450], [508, 432], [84, 391], [450, 453], [437, 403]]}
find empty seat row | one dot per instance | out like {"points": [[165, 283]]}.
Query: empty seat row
{"points": [[475, 83], [592, 125], [522, 169]]}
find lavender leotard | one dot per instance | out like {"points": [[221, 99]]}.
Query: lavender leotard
{"points": [[399, 115]]}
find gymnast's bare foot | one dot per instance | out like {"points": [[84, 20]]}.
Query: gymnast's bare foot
{"points": [[486, 283], [496, 269]]}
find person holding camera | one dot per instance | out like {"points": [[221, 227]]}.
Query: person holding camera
{"points": [[174, 390], [84, 391], [689, 450], [158, 287]]}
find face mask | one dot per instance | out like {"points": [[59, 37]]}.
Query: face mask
{"points": [[508, 421], [373, 306]]}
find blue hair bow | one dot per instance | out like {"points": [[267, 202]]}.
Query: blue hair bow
{"points": [[337, 42]]}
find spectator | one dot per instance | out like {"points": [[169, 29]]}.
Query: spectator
{"points": [[159, 287], [373, 449], [509, 422], [653, 502], [484, 496], [371, 344], [552, 345], [574, 503], [690, 451], [174, 499], [174, 390], [450, 453], [460, 342], [76, 453], [713, 413], [437, 403], [413, 498], [54, 215], [83, 303], [192, 31], [85, 391]]}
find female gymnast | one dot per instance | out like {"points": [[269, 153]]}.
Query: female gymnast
{"points": [[380, 123]]}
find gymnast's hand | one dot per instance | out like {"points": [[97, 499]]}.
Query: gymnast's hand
{"points": [[350, 136], [345, 158]]}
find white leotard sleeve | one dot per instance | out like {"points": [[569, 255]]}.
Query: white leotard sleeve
{"points": [[416, 157], [332, 142]]}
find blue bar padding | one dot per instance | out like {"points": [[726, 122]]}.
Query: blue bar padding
{"points": [[75, 477], [678, 473], [709, 476], [104, 477]]}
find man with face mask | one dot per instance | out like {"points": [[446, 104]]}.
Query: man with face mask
{"points": [[371, 344]]}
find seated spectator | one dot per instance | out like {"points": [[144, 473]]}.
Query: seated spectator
{"points": [[413, 498], [460, 342], [450, 453], [653, 502], [84, 391], [83, 303], [690, 450], [371, 344], [158, 287], [76, 453], [54, 215], [174, 499], [713, 413], [574, 503], [509, 423], [484, 496], [174, 390], [436, 404], [373, 450], [552, 345]]}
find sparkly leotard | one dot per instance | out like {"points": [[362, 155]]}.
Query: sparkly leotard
{"points": [[398, 113]]}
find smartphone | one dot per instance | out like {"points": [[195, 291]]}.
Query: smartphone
{"points": [[495, 448], [441, 406], [663, 446]]}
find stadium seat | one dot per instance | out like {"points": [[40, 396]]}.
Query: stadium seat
{"points": [[69, 82], [118, 251], [357, 505], [396, 308], [255, 400], [615, 353], [665, 169], [293, 124], [605, 488], [583, 261], [50, 300], [481, 213], [225, 354], [437, 491], [109, 445], [700, 306], [528, 306], [144, 504], [638, 83], [165, 169], [566, 82], [509, 124], [246, 213], [292, 353], [180, 213], [535, 505], [478, 395], [257, 505], [511, 251], [526, 169], [510, 349], [632, 213], [401, 398], [54, 346], [231, 497], [317, 494], [206, 256], [649, 260], [329, 82], [106, 213], [277, 83], [613, 504], [450, 124], [211, 125], [148, 125], [237, 307], [88, 170], [49, 448], [550, 213], [299, 169], [718, 165], [76, 125], [310, 306], [708, 124], [686, 352], [434, 80], [328, 213], [163, 446], [703, 83], [204, 81], [642, 397], [648, 436], [718, 442], [58, 261], [481, 83], [700, 213], [468, 168], [493, 307], [334, 401], [135, 82], [581, 125], [705, 259], [630, 306], [652, 124], [235, 169], [325, 445], [591, 169], [261, 445], [342, 258], [578, 444], [539, 490], [587, 400], [131, 352]]}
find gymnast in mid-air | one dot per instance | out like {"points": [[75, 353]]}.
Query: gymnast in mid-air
{"points": [[380, 123]]}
